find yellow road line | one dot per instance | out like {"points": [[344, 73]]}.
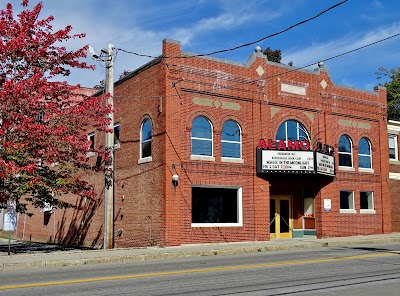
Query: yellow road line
{"points": [[187, 271]]}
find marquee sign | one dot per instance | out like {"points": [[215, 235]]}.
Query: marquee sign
{"points": [[294, 157]]}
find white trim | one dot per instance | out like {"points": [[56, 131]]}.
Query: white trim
{"points": [[233, 160], [367, 211], [145, 160], [346, 168], [348, 211], [239, 210], [394, 176], [365, 170], [202, 157]]}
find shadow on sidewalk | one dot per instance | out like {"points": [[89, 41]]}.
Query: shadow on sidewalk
{"points": [[22, 247]]}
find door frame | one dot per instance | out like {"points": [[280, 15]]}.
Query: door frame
{"points": [[277, 233]]}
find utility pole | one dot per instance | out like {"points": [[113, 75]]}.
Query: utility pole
{"points": [[109, 146]]}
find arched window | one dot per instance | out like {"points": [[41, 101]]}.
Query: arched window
{"points": [[202, 140], [364, 154], [145, 139], [292, 130], [345, 151], [231, 140]]}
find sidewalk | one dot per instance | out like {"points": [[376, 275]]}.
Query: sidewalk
{"points": [[53, 257]]}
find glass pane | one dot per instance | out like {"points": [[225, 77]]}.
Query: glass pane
{"points": [[345, 160], [364, 147], [392, 153], [146, 149], [345, 200], [284, 215], [146, 130], [272, 213], [364, 161], [214, 205], [116, 134], [201, 128], [344, 144], [292, 130], [231, 131], [364, 201], [281, 133], [230, 150], [391, 142], [201, 147]]}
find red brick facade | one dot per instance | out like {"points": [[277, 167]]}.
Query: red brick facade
{"points": [[259, 96]]}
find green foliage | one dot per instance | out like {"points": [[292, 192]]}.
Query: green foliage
{"points": [[393, 90], [273, 55]]}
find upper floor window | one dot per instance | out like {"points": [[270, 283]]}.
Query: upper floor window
{"points": [[117, 130], [364, 154], [393, 152], [292, 130], [202, 139], [145, 139], [345, 151], [91, 147], [231, 140]]}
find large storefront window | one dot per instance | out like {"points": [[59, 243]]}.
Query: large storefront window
{"points": [[216, 206], [292, 130]]}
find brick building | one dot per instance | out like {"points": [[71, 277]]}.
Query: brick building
{"points": [[209, 150], [394, 172]]}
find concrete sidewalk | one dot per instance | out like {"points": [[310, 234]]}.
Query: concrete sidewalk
{"points": [[56, 258]]}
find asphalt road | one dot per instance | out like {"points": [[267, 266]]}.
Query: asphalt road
{"points": [[356, 270]]}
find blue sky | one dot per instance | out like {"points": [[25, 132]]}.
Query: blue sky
{"points": [[204, 26]]}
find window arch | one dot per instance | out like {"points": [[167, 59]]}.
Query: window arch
{"points": [[345, 151], [202, 137], [292, 130], [364, 153], [145, 139], [231, 140]]}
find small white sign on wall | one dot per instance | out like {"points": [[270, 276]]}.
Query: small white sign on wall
{"points": [[327, 205]]}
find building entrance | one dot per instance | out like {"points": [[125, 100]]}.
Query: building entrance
{"points": [[281, 222]]}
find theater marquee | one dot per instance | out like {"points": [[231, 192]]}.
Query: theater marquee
{"points": [[294, 157]]}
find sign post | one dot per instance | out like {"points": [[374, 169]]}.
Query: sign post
{"points": [[10, 221]]}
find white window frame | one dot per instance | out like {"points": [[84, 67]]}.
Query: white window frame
{"points": [[147, 158], [396, 151], [118, 145], [351, 210], [368, 170], [347, 168], [370, 203], [89, 136], [240, 142], [239, 210], [203, 157]]}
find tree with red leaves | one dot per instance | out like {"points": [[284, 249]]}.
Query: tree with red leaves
{"points": [[43, 123]]}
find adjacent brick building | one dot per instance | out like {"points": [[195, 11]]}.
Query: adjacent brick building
{"points": [[209, 150]]}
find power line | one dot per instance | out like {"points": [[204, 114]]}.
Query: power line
{"points": [[286, 72], [243, 45]]}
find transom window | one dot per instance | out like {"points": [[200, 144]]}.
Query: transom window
{"points": [[364, 154], [345, 151], [231, 140], [145, 139], [202, 139], [292, 130], [393, 147]]}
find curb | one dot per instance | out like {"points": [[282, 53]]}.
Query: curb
{"points": [[173, 254]]}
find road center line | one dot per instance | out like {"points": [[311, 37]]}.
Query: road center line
{"points": [[188, 271]]}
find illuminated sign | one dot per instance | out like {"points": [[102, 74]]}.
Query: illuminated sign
{"points": [[295, 157]]}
